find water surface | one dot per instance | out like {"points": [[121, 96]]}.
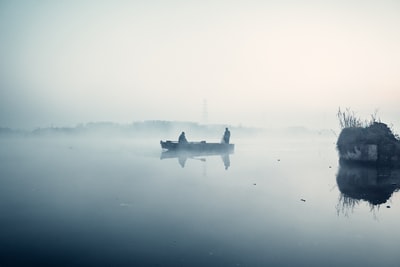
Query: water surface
{"points": [[115, 202]]}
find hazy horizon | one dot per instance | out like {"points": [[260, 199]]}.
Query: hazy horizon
{"points": [[254, 63]]}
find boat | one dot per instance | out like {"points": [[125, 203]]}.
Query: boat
{"points": [[202, 147], [196, 150]]}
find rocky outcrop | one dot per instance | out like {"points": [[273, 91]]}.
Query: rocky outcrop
{"points": [[372, 145]]}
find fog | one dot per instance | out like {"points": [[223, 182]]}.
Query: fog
{"points": [[89, 88], [252, 63]]}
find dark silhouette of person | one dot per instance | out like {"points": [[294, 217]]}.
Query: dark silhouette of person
{"points": [[182, 139], [227, 136]]}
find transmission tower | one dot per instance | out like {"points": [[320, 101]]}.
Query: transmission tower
{"points": [[205, 111]]}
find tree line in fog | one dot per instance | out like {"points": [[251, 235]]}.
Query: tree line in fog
{"points": [[145, 128], [159, 128]]}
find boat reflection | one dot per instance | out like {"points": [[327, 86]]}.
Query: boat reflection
{"points": [[372, 184], [182, 156]]}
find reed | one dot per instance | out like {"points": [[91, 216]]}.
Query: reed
{"points": [[348, 119]]}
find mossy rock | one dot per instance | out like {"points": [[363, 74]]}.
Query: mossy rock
{"points": [[359, 140]]}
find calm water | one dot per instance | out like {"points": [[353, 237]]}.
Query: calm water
{"points": [[98, 202]]}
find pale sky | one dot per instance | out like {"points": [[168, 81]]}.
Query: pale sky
{"points": [[257, 63]]}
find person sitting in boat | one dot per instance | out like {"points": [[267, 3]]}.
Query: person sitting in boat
{"points": [[226, 137], [182, 139]]}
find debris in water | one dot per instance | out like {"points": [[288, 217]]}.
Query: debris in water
{"points": [[388, 207], [254, 184], [303, 200]]}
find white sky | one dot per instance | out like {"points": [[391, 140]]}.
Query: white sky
{"points": [[258, 63]]}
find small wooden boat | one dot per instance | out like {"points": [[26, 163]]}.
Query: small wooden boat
{"points": [[202, 146]]}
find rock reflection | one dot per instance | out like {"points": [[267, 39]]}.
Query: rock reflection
{"points": [[183, 156], [372, 184]]}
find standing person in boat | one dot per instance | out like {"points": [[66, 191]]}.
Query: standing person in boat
{"points": [[182, 139], [227, 136]]}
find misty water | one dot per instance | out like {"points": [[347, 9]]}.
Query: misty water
{"points": [[114, 202]]}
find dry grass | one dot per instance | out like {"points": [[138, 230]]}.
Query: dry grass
{"points": [[348, 119]]}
